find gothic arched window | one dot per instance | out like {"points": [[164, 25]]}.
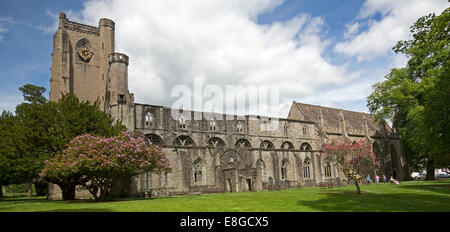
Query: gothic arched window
{"points": [[287, 145], [149, 119], [307, 168], [305, 147], [216, 142], [266, 144], [240, 126], [197, 170], [284, 169], [212, 124], [181, 122], [153, 139], [242, 143], [184, 141], [328, 170]]}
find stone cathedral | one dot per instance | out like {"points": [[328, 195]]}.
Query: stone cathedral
{"points": [[210, 155]]}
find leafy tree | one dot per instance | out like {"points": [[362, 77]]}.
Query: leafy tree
{"points": [[416, 98], [353, 158], [34, 118], [41, 129], [97, 163], [13, 161]]}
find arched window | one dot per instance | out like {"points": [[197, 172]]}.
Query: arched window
{"points": [[212, 124], [305, 130], [328, 170], [242, 143], [197, 170], [284, 169], [266, 144], [287, 145], [153, 139], [181, 122], [216, 142], [149, 119], [184, 141], [240, 127], [306, 168], [305, 147]]}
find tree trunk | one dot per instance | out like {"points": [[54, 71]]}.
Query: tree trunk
{"points": [[68, 191], [1, 190], [358, 190], [30, 188], [430, 170]]}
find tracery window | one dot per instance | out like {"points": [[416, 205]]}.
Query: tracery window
{"points": [[212, 124], [182, 122], [307, 168], [153, 139], [149, 119], [216, 142], [184, 141], [328, 170], [242, 143], [305, 147], [284, 169], [197, 170], [287, 145], [266, 144], [240, 127]]}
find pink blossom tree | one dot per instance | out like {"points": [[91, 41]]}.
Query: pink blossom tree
{"points": [[97, 163], [352, 158]]}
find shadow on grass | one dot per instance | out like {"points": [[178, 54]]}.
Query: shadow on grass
{"points": [[82, 210], [439, 187], [346, 201]]}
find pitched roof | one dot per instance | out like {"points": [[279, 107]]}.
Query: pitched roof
{"points": [[332, 117]]}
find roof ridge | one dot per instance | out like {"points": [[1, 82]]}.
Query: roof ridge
{"points": [[319, 106]]}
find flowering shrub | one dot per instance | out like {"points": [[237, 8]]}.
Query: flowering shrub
{"points": [[350, 157], [97, 162]]}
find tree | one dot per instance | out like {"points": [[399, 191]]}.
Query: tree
{"points": [[70, 118], [42, 129], [13, 159], [416, 98], [352, 158], [97, 163], [34, 118]]}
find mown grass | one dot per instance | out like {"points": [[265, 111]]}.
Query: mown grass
{"points": [[413, 196]]}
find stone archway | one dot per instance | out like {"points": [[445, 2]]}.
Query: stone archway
{"points": [[260, 170], [237, 174]]}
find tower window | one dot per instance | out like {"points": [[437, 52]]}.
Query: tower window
{"points": [[149, 119], [181, 122]]}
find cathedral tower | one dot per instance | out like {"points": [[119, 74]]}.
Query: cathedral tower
{"points": [[80, 59], [84, 63]]}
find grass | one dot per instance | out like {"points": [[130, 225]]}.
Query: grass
{"points": [[413, 196]]}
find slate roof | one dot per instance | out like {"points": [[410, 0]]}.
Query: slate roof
{"points": [[331, 116]]}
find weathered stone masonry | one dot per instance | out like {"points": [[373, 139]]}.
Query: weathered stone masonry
{"points": [[211, 154]]}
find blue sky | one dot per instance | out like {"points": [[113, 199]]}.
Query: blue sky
{"points": [[349, 40]]}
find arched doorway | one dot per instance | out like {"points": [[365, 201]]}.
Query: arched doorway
{"points": [[236, 175]]}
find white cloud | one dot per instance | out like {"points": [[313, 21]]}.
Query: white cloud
{"points": [[50, 29], [173, 42], [5, 23], [351, 29], [396, 19]]}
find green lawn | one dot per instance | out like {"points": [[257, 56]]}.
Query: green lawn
{"points": [[407, 197]]}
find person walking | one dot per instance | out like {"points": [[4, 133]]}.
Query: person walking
{"points": [[377, 179], [368, 179], [384, 179]]}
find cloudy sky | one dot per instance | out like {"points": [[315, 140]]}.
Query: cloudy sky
{"points": [[327, 52]]}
